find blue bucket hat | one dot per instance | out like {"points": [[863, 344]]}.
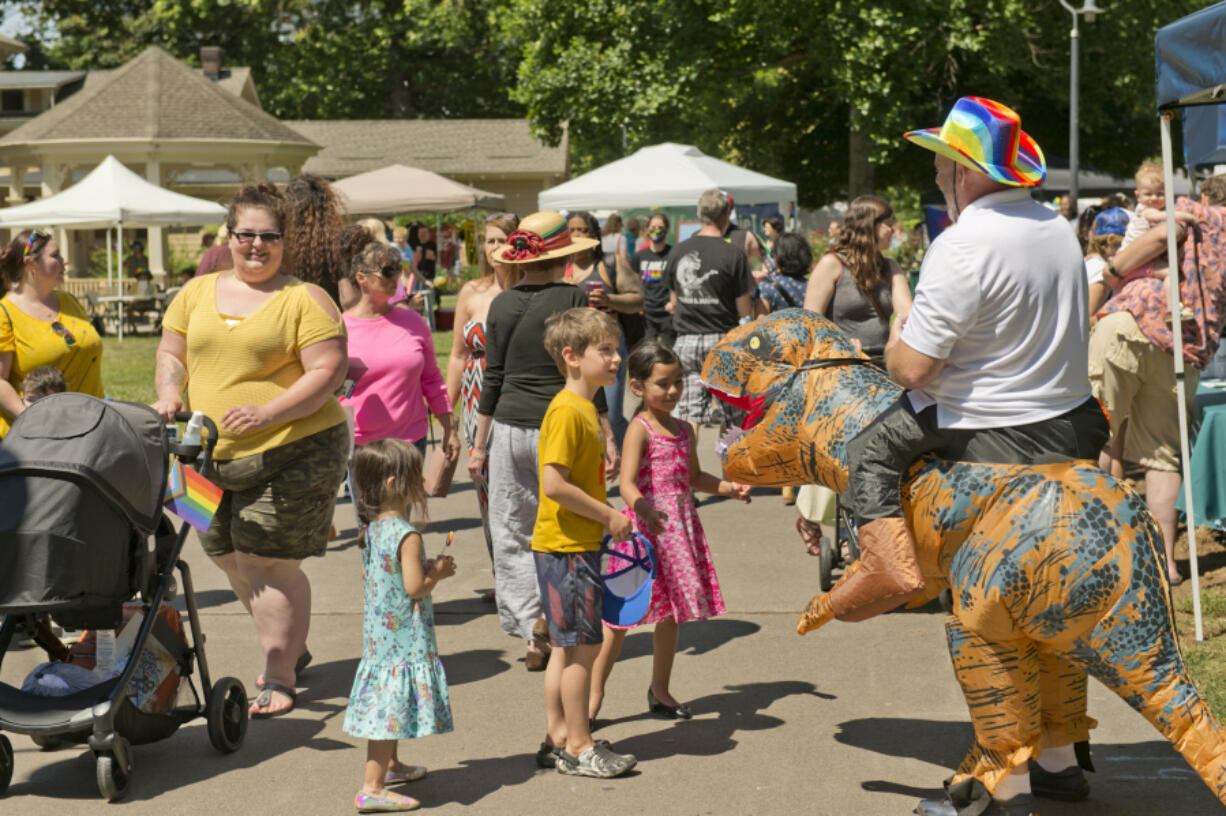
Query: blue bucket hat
{"points": [[627, 587], [1111, 222]]}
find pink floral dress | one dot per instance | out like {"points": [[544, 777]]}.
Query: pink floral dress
{"points": [[686, 587]]}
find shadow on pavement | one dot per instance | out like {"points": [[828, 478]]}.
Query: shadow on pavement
{"points": [[206, 598], [739, 708], [461, 610], [1147, 777], [474, 665], [696, 637]]}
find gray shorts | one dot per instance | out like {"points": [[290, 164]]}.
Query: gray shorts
{"points": [[696, 403]]}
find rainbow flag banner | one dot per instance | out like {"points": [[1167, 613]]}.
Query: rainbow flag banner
{"points": [[191, 497]]}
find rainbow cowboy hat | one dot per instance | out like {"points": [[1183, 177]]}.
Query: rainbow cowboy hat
{"points": [[987, 137]]}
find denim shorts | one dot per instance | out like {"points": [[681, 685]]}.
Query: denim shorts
{"points": [[572, 594]]}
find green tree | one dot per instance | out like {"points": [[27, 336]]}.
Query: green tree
{"points": [[821, 92]]}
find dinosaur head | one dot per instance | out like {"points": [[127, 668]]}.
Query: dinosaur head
{"points": [[801, 402]]}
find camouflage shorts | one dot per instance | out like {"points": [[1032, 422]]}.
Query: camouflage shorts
{"points": [[278, 503]]}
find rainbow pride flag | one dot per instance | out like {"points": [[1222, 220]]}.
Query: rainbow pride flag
{"points": [[191, 497]]}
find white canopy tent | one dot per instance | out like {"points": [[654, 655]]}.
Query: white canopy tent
{"points": [[400, 189], [112, 196], [665, 175]]}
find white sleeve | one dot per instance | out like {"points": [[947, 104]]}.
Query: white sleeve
{"points": [[946, 301], [1094, 270]]}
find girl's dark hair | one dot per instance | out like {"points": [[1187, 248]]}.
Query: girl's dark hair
{"points": [[13, 257], [385, 459], [593, 231], [856, 244], [261, 196], [360, 251], [793, 255], [647, 355], [661, 215], [315, 219], [776, 223]]}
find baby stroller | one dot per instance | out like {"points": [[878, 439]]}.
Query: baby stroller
{"points": [[81, 488]]}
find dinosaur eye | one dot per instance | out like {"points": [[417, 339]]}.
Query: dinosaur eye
{"points": [[755, 342]]}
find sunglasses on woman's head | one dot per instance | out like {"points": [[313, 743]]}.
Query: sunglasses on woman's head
{"points": [[498, 217], [60, 329]]}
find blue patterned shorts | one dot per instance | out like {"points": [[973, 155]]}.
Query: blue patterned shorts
{"points": [[572, 594]]}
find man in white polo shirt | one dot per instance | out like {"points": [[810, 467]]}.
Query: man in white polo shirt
{"points": [[994, 357]]}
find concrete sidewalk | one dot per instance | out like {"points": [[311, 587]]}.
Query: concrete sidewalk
{"points": [[857, 719]]}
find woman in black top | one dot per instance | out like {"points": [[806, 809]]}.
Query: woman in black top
{"points": [[648, 265], [520, 381]]}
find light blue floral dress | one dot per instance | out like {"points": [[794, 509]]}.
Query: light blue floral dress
{"points": [[400, 690]]}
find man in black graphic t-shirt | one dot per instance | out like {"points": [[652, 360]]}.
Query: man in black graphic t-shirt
{"points": [[709, 294]]}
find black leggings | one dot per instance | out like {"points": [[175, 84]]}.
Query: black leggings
{"points": [[881, 453]]}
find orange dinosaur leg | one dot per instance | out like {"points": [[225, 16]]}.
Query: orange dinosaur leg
{"points": [[1062, 695], [1001, 684]]}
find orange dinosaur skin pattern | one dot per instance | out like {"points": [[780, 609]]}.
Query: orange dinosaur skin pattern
{"points": [[1056, 570]]}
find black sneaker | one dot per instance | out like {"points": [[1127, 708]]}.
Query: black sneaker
{"points": [[1069, 785], [598, 761], [547, 756]]}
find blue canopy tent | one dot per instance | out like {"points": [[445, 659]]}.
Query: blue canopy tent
{"points": [[1191, 72]]}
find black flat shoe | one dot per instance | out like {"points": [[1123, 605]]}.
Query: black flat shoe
{"points": [[677, 712], [1069, 785]]}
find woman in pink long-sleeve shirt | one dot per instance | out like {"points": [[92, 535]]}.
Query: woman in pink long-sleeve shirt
{"points": [[391, 354]]}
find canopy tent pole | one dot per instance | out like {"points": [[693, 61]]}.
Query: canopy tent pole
{"points": [[119, 290], [108, 258], [1177, 339]]}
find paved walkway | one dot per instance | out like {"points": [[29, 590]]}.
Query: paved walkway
{"points": [[856, 719]]}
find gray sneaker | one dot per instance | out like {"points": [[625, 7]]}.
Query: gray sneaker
{"points": [[599, 761]]}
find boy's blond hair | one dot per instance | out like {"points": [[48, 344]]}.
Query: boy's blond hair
{"points": [[1150, 171], [577, 329]]}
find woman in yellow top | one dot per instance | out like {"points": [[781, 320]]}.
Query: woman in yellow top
{"points": [[263, 353], [41, 325]]}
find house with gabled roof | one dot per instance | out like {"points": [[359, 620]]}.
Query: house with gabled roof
{"points": [[202, 131]]}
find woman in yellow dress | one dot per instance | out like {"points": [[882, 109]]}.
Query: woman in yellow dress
{"points": [[41, 324]]}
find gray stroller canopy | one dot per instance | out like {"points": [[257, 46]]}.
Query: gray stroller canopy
{"points": [[118, 447]]}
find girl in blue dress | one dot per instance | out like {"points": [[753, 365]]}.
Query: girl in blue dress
{"points": [[400, 691]]}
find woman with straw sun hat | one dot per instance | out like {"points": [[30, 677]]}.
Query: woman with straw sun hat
{"points": [[520, 381]]}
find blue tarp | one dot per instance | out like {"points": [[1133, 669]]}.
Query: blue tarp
{"points": [[1191, 60], [1204, 136]]}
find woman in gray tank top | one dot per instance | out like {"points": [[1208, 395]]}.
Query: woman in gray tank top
{"points": [[856, 286], [860, 289]]}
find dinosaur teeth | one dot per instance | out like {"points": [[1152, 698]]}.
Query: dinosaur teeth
{"points": [[728, 440]]}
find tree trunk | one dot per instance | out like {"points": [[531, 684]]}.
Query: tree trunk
{"points": [[859, 170]]}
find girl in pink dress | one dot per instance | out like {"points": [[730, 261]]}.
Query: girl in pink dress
{"points": [[659, 469]]}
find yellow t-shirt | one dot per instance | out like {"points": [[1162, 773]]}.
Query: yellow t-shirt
{"points": [[571, 437], [35, 344], [250, 361]]}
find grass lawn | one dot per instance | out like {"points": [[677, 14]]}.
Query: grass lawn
{"points": [[127, 365], [1207, 659]]}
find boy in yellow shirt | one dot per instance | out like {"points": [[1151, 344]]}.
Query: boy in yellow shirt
{"points": [[570, 524]]}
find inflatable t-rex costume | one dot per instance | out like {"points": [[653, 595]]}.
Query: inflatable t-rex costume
{"points": [[1056, 570]]}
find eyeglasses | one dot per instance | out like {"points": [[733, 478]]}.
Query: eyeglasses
{"points": [[62, 331], [35, 234], [498, 217], [390, 271], [246, 237]]}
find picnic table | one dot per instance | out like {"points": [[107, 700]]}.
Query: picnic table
{"points": [[134, 306]]}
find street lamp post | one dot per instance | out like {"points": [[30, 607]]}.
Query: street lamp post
{"points": [[1091, 12]]}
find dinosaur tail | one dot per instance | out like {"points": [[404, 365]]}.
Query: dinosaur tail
{"points": [[1156, 683]]}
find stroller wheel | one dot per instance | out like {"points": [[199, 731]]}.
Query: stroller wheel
{"points": [[6, 763], [226, 714], [114, 770], [47, 743], [827, 564]]}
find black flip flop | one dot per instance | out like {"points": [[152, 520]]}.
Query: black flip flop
{"points": [[304, 660], [265, 700]]}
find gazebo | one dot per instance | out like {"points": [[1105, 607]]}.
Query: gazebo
{"points": [[157, 114]]}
